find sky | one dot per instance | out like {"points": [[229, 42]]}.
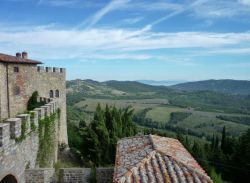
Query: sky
{"points": [[132, 39]]}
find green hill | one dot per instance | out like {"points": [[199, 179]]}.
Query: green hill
{"points": [[200, 100], [225, 86]]}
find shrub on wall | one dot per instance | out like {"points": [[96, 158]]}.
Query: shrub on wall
{"points": [[33, 103]]}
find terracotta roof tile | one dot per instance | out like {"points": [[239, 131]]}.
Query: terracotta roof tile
{"points": [[149, 158], [13, 59]]}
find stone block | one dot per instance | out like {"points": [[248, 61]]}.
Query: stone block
{"points": [[40, 175], [34, 118], [40, 112], [51, 108], [104, 175], [15, 127], [46, 110], [25, 118], [70, 175], [4, 134]]}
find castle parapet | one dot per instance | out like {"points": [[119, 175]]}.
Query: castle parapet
{"points": [[12, 128], [40, 112], [15, 127], [50, 69], [46, 110], [34, 118], [40, 69], [4, 134], [25, 118], [51, 107]]}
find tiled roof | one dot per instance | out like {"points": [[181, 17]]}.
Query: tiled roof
{"points": [[13, 59], [151, 158]]}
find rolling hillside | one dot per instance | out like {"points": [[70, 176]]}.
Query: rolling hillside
{"points": [[225, 86], [198, 114], [77, 90]]}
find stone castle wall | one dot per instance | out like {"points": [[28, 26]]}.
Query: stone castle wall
{"points": [[19, 86], [40, 175], [82, 175], [3, 93], [16, 157]]}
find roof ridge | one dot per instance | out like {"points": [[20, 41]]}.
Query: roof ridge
{"points": [[202, 174], [137, 166]]}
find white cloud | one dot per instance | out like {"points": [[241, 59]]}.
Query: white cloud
{"points": [[49, 42], [133, 20], [245, 2], [111, 6]]}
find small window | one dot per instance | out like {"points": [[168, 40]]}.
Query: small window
{"points": [[57, 93], [17, 90], [51, 94], [16, 69]]}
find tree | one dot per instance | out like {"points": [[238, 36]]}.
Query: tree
{"points": [[223, 140], [241, 159]]}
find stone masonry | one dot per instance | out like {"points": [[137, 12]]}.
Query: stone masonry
{"points": [[16, 157], [41, 175], [17, 87], [82, 175]]}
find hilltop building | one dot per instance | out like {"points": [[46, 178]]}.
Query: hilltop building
{"points": [[20, 77]]}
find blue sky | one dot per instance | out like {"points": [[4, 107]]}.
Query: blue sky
{"points": [[132, 39]]}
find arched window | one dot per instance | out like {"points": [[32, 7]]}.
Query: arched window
{"points": [[51, 94], [57, 93]]}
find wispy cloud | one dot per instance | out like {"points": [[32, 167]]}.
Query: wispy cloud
{"points": [[133, 20], [123, 43], [111, 6], [58, 2], [177, 12], [245, 2]]}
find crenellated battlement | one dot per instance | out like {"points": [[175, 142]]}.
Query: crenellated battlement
{"points": [[42, 69], [11, 129]]}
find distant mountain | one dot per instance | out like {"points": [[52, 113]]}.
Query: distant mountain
{"points": [[161, 83], [225, 86], [111, 89]]}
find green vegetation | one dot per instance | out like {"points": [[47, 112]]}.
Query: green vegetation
{"points": [[208, 123], [237, 119], [33, 103], [176, 117], [24, 128], [97, 141], [47, 142]]}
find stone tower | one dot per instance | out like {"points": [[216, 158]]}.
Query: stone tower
{"points": [[20, 77]]}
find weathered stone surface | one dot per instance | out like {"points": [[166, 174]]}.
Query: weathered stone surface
{"points": [[15, 91], [15, 127], [21, 85], [15, 157], [104, 175], [40, 175], [25, 118], [74, 175]]}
